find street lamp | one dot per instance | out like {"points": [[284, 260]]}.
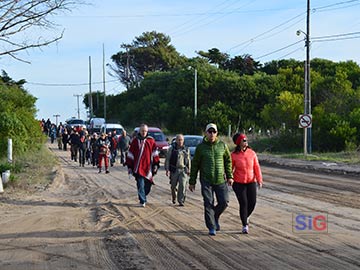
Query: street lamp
{"points": [[307, 90], [195, 97]]}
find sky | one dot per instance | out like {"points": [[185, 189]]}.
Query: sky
{"points": [[264, 29]]}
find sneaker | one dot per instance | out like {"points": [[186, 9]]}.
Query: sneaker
{"points": [[181, 204], [245, 229], [99, 171], [212, 232], [143, 204], [217, 225], [107, 172]]}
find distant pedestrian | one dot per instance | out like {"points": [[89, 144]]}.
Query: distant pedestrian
{"points": [[52, 133], [103, 145], [113, 147], [65, 139], [94, 150], [177, 167], [247, 175], [74, 141], [212, 158], [143, 162], [123, 145]]}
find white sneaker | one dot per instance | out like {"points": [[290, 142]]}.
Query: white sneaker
{"points": [[245, 229], [143, 204]]}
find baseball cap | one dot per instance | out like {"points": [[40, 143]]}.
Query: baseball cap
{"points": [[211, 125]]}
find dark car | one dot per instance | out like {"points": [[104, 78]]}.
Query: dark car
{"points": [[160, 139], [191, 141]]}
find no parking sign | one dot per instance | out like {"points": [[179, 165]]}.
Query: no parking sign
{"points": [[305, 121]]}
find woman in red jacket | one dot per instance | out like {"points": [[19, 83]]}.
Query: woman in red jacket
{"points": [[247, 174]]}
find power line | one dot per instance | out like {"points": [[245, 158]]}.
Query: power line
{"points": [[281, 49], [337, 35], [256, 38], [327, 8], [336, 39], [67, 84], [192, 22], [266, 32]]}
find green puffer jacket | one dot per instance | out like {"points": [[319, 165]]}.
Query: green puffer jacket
{"points": [[213, 160]]}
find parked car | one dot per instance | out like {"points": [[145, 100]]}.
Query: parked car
{"points": [[110, 127], [95, 124], [161, 141], [74, 123], [191, 141]]}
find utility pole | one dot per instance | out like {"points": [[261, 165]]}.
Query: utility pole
{"points": [[307, 80], [195, 100], [104, 82], [307, 90], [78, 106], [56, 118], [90, 93]]}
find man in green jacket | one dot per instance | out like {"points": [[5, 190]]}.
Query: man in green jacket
{"points": [[212, 158]]}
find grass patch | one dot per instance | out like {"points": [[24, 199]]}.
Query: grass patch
{"points": [[343, 157], [266, 145], [32, 170]]}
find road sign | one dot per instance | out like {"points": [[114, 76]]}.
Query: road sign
{"points": [[305, 121]]}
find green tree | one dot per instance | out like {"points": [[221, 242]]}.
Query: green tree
{"points": [[285, 110], [149, 52], [17, 118], [214, 56], [244, 64]]}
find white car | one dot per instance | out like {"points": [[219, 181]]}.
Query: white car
{"points": [[109, 127]]}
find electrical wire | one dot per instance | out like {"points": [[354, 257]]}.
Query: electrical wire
{"points": [[278, 50], [67, 84]]}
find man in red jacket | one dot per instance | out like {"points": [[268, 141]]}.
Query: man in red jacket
{"points": [[143, 162]]}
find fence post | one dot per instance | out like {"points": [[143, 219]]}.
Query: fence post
{"points": [[9, 153]]}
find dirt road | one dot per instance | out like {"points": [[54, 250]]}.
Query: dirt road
{"points": [[86, 220]]}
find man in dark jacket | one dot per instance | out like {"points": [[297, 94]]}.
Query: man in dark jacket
{"points": [[212, 158]]}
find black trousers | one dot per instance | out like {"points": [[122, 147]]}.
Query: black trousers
{"points": [[246, 196]]}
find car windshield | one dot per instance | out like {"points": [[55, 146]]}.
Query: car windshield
{"points": [[192, 142], [76, 121], [158, 136]]}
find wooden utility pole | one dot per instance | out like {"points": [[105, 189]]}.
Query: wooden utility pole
{"points": [[90, 93], [56, 118], [104, 82], [78, 107]]}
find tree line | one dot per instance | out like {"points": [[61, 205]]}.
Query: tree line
{"points": [[17, 117], [237, 91]]}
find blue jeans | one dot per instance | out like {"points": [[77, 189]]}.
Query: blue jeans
{"points": [[143, 187], [212, 211]]}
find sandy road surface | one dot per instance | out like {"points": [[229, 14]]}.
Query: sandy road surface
{"points": [[87, 220]]}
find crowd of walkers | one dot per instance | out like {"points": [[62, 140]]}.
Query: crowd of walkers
{"points": [[217, 167], [99, 150]]}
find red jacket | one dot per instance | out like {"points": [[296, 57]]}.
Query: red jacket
{"points": [[246, 167], [142, 157]]}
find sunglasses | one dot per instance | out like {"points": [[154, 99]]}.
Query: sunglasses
{"points": [[244, 140], [211, 131]]}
